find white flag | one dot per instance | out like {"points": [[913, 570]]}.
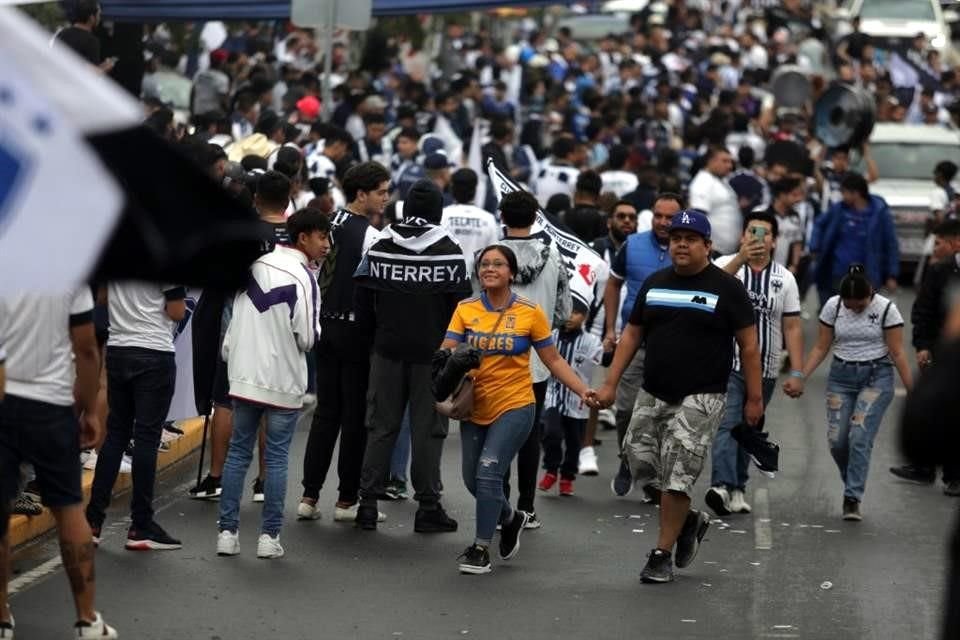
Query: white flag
{"points": [[588, 271], [58, 204], [481, 128], [184, 404]]}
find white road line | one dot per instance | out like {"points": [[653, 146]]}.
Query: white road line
{"points": [[763, 535], [25, 580]]}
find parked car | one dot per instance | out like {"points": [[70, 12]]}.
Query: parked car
{"points": [[906, 155]]}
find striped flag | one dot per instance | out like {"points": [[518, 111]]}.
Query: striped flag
{"points": [[588, 271]]}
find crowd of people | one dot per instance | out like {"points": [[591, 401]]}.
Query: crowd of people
{"points": [[713, 209]]}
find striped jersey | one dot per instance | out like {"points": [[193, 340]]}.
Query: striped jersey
{"points": [[774, 295], [583, 351]]}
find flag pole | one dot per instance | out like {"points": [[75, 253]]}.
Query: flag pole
{"points": [[203, 448]]}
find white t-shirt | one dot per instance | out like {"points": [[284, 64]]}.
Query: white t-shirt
{"points": [[138, 316], [619, 182], [792, 232], [473, 227], [775, 296], [583, 353], [554, 179], [717, 198], [859, 337], [36, 331]]}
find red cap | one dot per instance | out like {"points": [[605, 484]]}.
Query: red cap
{"points": [[219, 56], [309, 107]]}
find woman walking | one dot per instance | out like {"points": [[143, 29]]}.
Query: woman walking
{"points": [[504, 327], [865, 330]]}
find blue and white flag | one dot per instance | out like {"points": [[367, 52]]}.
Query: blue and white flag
{"points": [[58, 203], [588, 271]]}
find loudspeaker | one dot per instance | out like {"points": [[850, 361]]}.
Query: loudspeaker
{"points": [[790, 87], [844, 115]]}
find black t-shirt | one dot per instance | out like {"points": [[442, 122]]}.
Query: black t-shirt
{"points": [[586, 223], [689, 323], [81, 41]]}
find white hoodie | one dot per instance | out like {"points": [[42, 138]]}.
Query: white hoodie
{"points": [[275, 321]]}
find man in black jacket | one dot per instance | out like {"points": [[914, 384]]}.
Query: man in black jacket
{"points": [[928, 317], [408, 286]]}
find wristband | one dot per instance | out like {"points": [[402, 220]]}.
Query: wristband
{"points": [[797, 374]]}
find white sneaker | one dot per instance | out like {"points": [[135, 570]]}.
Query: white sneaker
{"points": [[228, 543], [96, 630], [90, 463], [588, 462], [307, 511], [608, 418], [6, 630], [349, 514], [718, 499], [737, 503], [126, 464], [269, 547]]}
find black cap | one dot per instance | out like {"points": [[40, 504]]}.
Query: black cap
{"points": [[424, 200]]}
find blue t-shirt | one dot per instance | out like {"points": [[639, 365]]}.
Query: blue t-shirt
{"points": [[852, 243]]}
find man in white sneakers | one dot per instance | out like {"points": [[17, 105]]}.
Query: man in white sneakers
{"points": [[52, 377], [275, 323]]}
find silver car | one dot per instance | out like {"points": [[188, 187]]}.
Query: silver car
{"points": [[906, 155]]}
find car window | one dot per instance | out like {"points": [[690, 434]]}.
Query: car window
{"points": [[905, 161], [897, 10]]}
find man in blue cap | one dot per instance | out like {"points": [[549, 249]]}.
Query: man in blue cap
{"points": [[688, 316]]}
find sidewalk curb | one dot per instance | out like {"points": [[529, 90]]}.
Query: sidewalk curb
{"points": [[23, 529]]}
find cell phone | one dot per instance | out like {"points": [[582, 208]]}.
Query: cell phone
{"points": [[759, 232]]}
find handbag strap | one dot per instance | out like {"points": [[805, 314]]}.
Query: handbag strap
{"points": [[500, 318]]}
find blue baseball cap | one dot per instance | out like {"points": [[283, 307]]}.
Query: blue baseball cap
{"points": [[691, 220]]}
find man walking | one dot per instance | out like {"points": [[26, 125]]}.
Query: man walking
{"points": [[52, 369], [141, 375], [640, 256], [275, 323], [688, 316], [710, 191], [343, 357], [773, 291], [473, 227], [415, 264]]}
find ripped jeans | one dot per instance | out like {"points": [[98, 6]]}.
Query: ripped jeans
{"points": [[858, 394], [488, 451]]}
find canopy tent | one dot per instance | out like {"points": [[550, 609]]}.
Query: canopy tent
{"points": [[156, 10]]}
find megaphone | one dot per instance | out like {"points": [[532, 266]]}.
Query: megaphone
{"points": [[844, 115], [790, 87]]}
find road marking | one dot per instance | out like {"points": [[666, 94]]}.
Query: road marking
{"points": [[763, 535], [25, 580]]}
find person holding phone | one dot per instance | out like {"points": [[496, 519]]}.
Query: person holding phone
{"points": [[773, 291]]}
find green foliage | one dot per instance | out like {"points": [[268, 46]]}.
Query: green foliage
{"points": [[48, 14]]}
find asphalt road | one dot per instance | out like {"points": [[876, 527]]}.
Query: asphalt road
{"points": [[793, 569]]}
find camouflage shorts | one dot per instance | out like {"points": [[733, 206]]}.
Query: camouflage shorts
{"points": [[666, 444]]}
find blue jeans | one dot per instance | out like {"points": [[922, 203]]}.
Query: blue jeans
{"points": [[858, 394], [731, 463], [400, 459], [487, 453], [280, 425], [140, 385]]}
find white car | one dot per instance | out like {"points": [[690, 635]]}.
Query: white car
{"points": [[894, 23], [906, 155]]}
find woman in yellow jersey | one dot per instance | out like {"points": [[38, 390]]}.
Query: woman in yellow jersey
{"points": [[504, 326]]}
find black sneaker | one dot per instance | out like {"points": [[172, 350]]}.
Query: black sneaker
{"points": [[851, 509], [622, 483], [659, 567], [209, 488], [510, 535], [95, 536], [433, 521], [475, 560], [258, 495], [26, 506], [151, 538], [651, 495], [914, 473], [172, 428], [533, 522], [688, 543], [754, 440], [367, 517], [718, 499], [952, 489], [6, 629]]}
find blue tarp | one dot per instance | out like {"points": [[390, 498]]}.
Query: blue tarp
{"points": [[157, 10]]}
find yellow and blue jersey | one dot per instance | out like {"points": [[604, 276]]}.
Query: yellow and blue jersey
{"points": [[502, 382]]}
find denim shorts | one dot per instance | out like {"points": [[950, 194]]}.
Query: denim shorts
{"points": [[48, 437]]}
